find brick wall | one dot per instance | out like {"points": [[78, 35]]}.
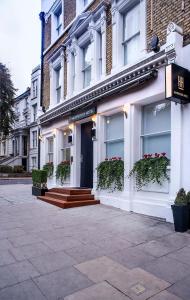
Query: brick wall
{"points": [[47, 33], [162, 13], [69, 11], [108, 41]]}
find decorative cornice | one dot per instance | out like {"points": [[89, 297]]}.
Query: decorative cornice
{"points": [[120, 82]]}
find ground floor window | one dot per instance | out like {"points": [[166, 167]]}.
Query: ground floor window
{"points": [[50, 150], [156, 128], [114, 135], [65, 150]]}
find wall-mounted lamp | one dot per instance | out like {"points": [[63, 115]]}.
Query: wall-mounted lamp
{"points": [[54, 132], [125, 111], [70, 136], [40, 137], [71, 126], [94, 118]]}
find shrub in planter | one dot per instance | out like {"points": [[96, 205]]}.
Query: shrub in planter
{"points": [[6, 169], [188, 204], [18, 169], [39, 179], [180, 211], [110, 174], [63, 171], [150, 169], [49, 167]]}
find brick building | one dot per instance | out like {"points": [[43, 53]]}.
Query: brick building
{"points": [[103, 75]]}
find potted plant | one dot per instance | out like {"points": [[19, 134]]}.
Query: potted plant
{"points": [[63, 171], [188, 204], [110, 174], [180, 211], [39, 180], [49, 167], [152, 168]]}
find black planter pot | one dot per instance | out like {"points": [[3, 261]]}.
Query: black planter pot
{"points": [[188, 205], [38, 192], [181, 217]]}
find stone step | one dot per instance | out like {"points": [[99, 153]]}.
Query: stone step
{"points": [[66, 197], [67, 204], [71, 191]]}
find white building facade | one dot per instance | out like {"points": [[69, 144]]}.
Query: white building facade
{"points": [[127, 108]]}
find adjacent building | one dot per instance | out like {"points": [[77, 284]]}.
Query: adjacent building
{"points": [[104, 69], [21, 147]]}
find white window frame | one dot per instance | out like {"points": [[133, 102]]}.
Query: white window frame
{"points": [[112, 141], [35, 88], [34, 165], [50, 153], [119, 8], [88, 67], [151, 134], [57, 83], [56, 29]]}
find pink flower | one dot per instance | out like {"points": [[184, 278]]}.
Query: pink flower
{"points": [[145, 155], [149, 155], [106, 159], [163, 153]]}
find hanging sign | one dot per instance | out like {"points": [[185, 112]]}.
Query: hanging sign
{"points": [[177, 84], [82, 115]]}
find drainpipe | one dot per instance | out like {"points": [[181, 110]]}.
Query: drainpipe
{"points": [[42, 19]]}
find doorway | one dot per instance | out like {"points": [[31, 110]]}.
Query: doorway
{"points": [[86, 155]]}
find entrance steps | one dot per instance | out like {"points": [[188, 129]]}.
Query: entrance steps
{"points": [[69, 197]]}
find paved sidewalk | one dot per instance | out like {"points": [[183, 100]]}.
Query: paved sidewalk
{"points": [[87, 253]]}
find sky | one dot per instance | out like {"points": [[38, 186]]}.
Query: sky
{"points": [[20, 32]]}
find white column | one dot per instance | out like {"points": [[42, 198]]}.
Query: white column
{"points": [[69, 72], [117, 34], [62, 77], [51, 78], [103, 33], [76, 154], [93, 41], [78, 68]]}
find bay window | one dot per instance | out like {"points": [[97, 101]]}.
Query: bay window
{"points": [[87, 54], [156, 128], [114, 135], [131, 34]]}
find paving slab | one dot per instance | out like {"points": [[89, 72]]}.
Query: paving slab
{"points": [[62, 283], [100, 269], [6, 258], [181, 288], [100, 291], [182, 255], [26, 290], [52, 262], [138, 284], [168, 269], [164, 295], [29, 251]]}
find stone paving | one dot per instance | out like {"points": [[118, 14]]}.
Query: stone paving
{"points": [[87, 253]]}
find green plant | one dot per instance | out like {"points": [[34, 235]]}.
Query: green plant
{"points": [[18, 169], [188, 197], [49, 167], [63, 171], [181, 198], [6, 169], [150, 169], [39, 178], [110, 174]]}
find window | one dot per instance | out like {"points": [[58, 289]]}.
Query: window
{"points": [[35, 88], [115, 136], [156, 128], [34, 139], [100, 53], [131, 34], [34, 107], [86, 65], [58, 83], [66, 150], [50, 150], [58, 17], [34, 162]]}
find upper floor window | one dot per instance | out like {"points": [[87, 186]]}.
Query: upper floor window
{"points": [[87, 65], [58, 83], [58, 19], [35, 88], [131, 34], [50, 150]]}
